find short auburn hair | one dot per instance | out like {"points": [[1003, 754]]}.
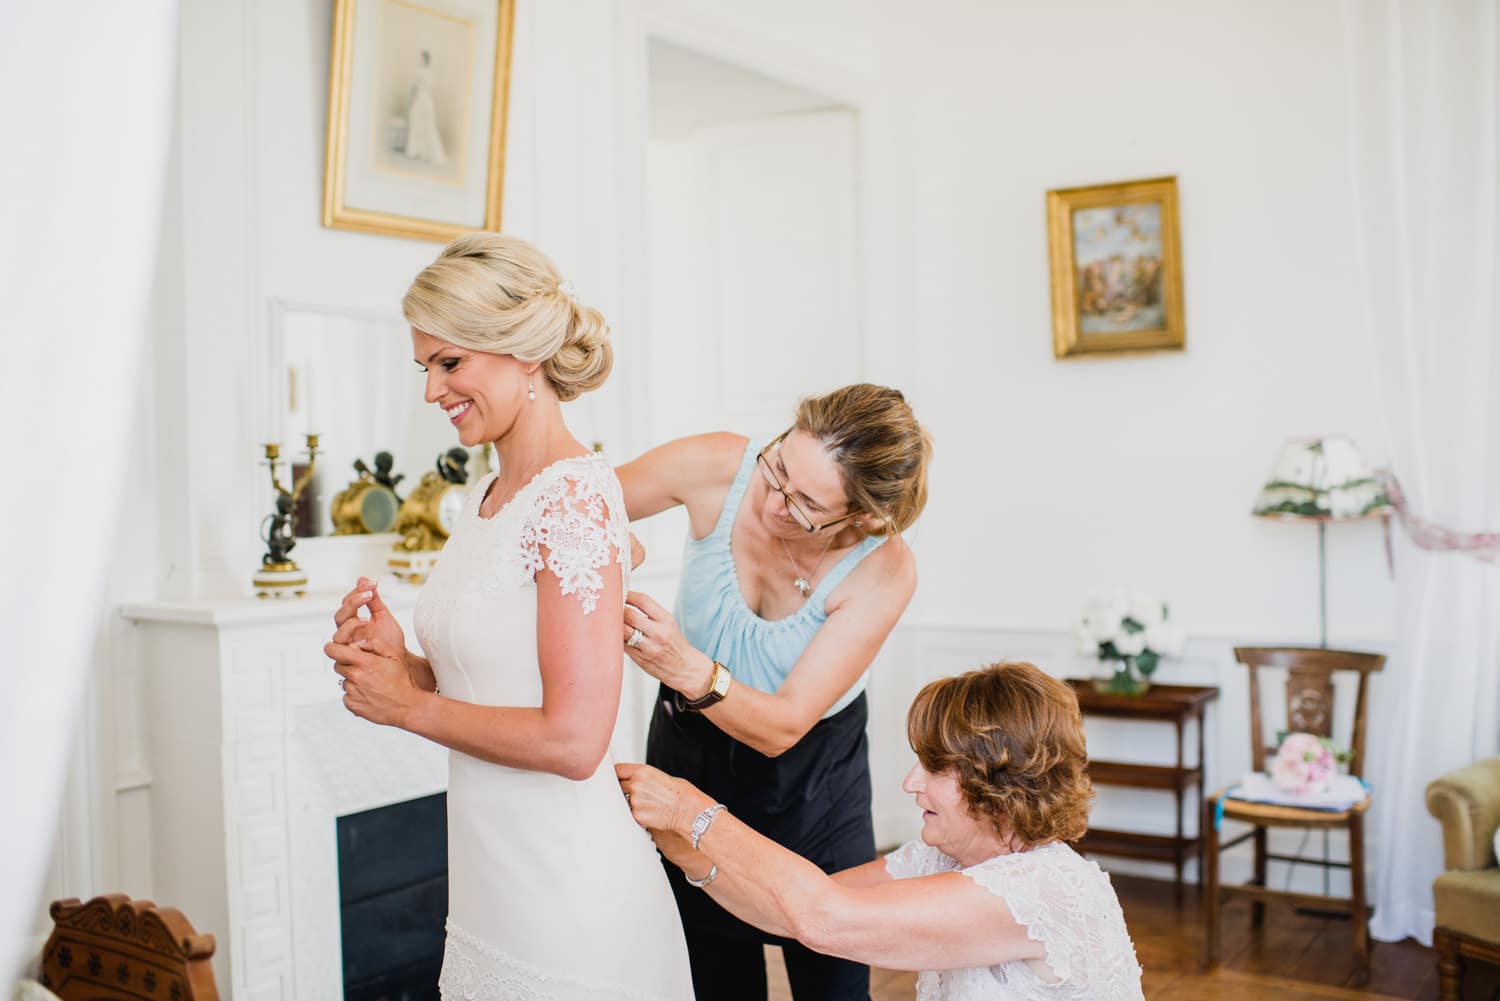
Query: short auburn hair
{"points": [[1013, 735]]}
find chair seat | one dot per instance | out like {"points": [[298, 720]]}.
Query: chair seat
{"points": [[1277, 814], [1469, 902]]}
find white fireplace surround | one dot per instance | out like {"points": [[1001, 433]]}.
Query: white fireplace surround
{"points": [[253, 757], [244, 799]]}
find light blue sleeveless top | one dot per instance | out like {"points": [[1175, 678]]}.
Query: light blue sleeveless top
{"points": [[713, 616]]}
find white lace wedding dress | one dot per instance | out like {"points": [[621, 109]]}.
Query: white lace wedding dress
{"points": [[1065, 901], [554, 893]]}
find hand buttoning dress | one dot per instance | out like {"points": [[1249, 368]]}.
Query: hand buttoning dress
{"points": [[554, 893]]}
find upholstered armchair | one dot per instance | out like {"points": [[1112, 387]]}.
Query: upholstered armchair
{"points": [[1466, 897]]}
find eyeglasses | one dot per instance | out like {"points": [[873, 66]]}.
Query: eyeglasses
{"points": [[798, 515]]}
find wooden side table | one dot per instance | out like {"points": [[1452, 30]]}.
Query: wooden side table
{"points": [[1175, 704]]}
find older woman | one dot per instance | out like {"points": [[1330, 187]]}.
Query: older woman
{"points": [[795, 572], [991, 903]]}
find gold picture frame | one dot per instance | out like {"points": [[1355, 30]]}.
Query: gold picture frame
{"points": [[1116, 262], [417, 110]]}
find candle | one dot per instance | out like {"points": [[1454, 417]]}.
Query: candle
{"points": [[310, 396], [276, 412]]}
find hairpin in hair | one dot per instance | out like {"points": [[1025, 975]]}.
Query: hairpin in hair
{"points": [[568, 289]]}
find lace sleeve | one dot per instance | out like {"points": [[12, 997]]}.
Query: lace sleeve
{"points": [[1068, 905], [917, 858], [578, 526]]}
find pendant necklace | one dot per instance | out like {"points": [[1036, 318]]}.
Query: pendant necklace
{"points": [[804, 583]]}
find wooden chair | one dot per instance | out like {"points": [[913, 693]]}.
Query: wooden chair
{"points": [[117, 949], [1309, 709]]}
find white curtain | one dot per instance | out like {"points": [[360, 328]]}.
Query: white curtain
{"points": [[88, 89], [1425, 103]]}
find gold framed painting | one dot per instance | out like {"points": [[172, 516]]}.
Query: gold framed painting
{"points": [[1116, 263], [417, 108]]}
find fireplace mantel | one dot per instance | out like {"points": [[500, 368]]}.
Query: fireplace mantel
{"points": [[252, 758]]}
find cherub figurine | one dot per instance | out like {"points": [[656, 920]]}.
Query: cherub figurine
{"points": [[276, 531], [383, 463], [451, 465]]}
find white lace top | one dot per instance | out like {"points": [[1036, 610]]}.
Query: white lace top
{"points": [[1064, 901], [554, 893]]}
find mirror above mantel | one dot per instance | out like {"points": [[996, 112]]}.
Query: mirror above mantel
{"points": [[347, 375]]}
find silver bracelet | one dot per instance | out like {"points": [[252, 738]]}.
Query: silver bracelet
{"points": [[701, 883], [701, 822]]}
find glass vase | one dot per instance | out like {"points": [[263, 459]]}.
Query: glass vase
{"points": [[1119, 677]]}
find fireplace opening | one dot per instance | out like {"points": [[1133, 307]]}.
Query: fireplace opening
{"points": [[393, 899]]}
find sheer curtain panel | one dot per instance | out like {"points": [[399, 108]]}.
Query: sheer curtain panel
{"points": [[1425, 179], [88, 87]]}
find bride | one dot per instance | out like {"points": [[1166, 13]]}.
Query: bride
{"points": [[554, 893]]}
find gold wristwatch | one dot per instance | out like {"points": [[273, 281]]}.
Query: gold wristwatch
{"points": [[717, 689]]}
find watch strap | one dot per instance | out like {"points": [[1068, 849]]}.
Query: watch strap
{"points": [[718, 687]]}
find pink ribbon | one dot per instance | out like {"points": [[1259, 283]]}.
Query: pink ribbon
{"points": [[1435, 538]]}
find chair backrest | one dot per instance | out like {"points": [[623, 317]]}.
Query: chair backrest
{"points": [[1309, 694], [117, 949]]}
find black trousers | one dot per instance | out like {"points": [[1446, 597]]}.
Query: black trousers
{"points": [[734, 969], [814, 799]]}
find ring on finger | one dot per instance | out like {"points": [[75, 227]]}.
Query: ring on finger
{"points": [[341, 683], [635, 638]]}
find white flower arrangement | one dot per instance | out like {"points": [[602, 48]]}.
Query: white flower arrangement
{"points": [[1130, 627]]}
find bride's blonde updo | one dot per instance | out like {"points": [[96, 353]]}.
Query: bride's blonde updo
{"points": [[501, 295]]}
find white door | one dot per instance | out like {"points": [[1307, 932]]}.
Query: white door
{"points": [[752, 300]]}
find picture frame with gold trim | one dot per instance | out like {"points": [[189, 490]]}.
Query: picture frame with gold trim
{"points": [[1116, 266], [417, 111]]}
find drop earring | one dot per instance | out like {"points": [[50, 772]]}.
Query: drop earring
{"points": [[530, 390]]}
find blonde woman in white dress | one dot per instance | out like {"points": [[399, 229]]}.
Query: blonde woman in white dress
{"points": [[990, 904], [555, 894]]}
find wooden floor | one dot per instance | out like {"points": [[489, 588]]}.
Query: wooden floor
{"points": [[1295, 957]]}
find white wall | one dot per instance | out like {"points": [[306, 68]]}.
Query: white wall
{"points": [[1052, 479], [1057, 478]]}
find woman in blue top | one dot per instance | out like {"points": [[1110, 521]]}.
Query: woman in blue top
{"points": [[794, 574]]}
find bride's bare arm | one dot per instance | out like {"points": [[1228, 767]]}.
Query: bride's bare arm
{"points": [[578, 655]]}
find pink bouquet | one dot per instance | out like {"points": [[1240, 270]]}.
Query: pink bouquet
{"points": [[1304, 764]]}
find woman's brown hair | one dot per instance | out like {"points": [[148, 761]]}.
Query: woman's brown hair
{"points": [[1013, 736], [880, 449]]}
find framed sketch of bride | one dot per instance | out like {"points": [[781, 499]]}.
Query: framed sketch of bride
{"points": [[416, 116]]}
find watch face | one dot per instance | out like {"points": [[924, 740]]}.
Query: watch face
{"points": [[721, 680], [450, 506], [378, 509]]}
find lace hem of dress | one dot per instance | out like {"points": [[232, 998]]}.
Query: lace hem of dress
{"points": [[474, 970]]}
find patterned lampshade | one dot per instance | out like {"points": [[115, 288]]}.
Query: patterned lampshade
{"points": [[1321, 478]]}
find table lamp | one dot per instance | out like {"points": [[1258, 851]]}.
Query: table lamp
{"points": [[1322, 479]]}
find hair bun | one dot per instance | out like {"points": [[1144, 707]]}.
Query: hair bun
{"points": [[585, 358]]}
